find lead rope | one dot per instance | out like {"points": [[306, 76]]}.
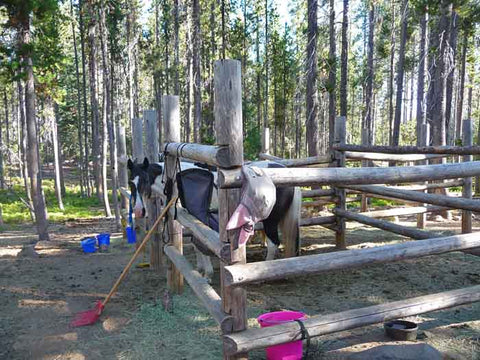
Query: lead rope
{"points": [[305, 335]]}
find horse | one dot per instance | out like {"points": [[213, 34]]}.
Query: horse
{"points": [[285, 214]]}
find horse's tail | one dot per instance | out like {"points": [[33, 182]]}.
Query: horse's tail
{"points": [[290, 225]]}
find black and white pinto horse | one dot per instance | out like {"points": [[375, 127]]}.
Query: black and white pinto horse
{"points": [[285, 214]]}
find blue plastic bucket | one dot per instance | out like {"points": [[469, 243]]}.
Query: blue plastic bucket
{"points": [[88, 245], [103, 239], [131, 235]]}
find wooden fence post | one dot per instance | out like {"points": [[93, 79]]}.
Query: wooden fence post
{"points": [[137, 139], [171, 113], [228, 125], [423, 136], [266, 140], [467, 182], [365, 163], [137, 155], [154, 203], [122, 162], [340, 138]]}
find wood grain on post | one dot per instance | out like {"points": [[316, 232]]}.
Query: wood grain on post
{"points": [[365, 163], [171, 113], [467, 182], [229, 131], [312, 160], [317, 193], [240, 275], [340, 137], [355, 176], [153, 204], [327, 324]]}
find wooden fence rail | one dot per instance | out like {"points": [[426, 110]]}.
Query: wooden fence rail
{"points": [[236, 275], [355, 176]]}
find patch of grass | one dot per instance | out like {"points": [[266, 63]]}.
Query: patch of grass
{"points": [[187, 333], [76, 206]]}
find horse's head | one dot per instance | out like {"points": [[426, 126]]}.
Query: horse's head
{"points": [[142, 176]]}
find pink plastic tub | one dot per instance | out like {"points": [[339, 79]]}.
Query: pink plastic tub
{"points": [[289, 351]]}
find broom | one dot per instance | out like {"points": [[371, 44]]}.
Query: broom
{"points": [[90, 317]]}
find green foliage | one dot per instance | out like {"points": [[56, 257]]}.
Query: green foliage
{"points": [[14, 211]]}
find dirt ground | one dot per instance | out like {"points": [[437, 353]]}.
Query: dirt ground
{"points": [[39, 295]]}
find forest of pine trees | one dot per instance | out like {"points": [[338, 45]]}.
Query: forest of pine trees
{"points": [[74, 73]]}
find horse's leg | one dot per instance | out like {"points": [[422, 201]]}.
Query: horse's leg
{"points": [[199, 257], [263, 238], [271, 229], [290, 225], [207, 266]]}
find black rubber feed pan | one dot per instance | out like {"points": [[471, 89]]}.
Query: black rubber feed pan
{"points": [[401, 330]]}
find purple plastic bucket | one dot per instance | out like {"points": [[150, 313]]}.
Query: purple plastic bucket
{"points": [[289, 351], [131, 235]]}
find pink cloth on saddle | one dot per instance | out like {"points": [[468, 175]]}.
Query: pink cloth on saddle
{"points": [[257, 200]]}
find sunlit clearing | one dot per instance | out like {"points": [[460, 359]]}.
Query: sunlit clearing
{"points": [[67, 355]]}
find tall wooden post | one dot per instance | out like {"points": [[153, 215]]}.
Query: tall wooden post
{"points": [[171, 113], [423, 136], [154, 203], [137, 139], [365, 163], [467, 137], [122, 162], [266, 140], [137, 155], [340, 137], [228, 125]]}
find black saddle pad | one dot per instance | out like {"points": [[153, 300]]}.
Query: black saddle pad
{"points": [[195, 187]]}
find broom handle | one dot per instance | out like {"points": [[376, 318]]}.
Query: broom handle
{"points": [[139, 249]]}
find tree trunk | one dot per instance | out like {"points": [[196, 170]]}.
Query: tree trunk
{"points": [[106, 118], [34, 170], [2, 152], [332, 76], [344, 60], [422, 56], [451, 72], [23, 141], [438, 73], [369, 88], [390, 80], [79, 106], [85, 108], [197, 95], [265, 110], [57, 162], [461, 91], [176, 30], [312, 93], [400, 75], [92, 65]]}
